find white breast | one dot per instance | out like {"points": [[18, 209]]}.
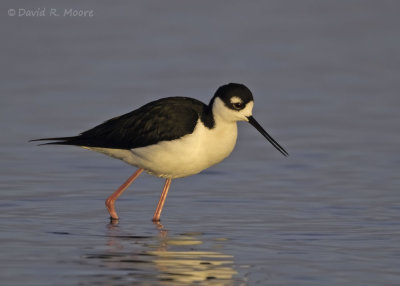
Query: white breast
{"points": [[188, 155], [182, 157]]}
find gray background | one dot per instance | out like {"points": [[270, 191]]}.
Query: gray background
{"points": [[325, 76]]}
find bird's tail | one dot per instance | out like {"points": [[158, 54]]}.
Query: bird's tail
{"points": [[58, 141]]}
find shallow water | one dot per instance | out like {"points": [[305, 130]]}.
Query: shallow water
{"points": [[325, 80]]}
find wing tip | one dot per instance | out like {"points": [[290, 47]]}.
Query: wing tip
{"points": [[57, 141]]}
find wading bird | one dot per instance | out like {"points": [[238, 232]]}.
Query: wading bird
{"points": [[171, 137]]}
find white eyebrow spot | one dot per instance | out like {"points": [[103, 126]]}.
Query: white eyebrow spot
{"points": [[236, 99]]}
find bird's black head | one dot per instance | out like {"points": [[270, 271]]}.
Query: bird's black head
{"points": [[234, 102], [234, 95]]}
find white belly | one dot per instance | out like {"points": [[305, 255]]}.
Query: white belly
{"points": [[182, 157]]}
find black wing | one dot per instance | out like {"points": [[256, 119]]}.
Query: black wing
{"points": [[161, 120]]}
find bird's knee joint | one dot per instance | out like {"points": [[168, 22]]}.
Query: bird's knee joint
{"points": [[109, 202]]}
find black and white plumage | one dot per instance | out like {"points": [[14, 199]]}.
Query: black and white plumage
{"points": [[173, 137]]}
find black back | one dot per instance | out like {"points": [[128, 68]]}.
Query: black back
{"points": [[161, 120]]}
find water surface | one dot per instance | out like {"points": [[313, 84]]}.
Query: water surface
{"points": [[326, 86]]}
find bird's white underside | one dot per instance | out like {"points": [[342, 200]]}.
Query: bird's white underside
{"points": [[191, 153]]}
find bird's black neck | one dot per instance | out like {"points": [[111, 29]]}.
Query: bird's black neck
{"points": [[207, 116]]}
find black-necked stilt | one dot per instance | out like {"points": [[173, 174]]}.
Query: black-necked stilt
{"points": [[172, 137]]}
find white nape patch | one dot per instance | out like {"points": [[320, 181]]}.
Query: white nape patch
{"points": [[222, 112], [236, 99]]}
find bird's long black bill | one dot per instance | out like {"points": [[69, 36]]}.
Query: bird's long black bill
{"points": [[271, 140]]}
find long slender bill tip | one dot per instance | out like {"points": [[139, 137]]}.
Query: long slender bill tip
{"points": [[271, 140]]}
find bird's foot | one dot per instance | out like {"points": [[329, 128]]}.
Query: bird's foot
{"points": [[114, 220]]}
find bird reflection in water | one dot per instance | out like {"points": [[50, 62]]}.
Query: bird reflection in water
{"points": [[169, 260], [177, 260]]}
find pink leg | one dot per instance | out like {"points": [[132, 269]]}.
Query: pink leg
{"points": [[160, 205], [110, 201]]}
